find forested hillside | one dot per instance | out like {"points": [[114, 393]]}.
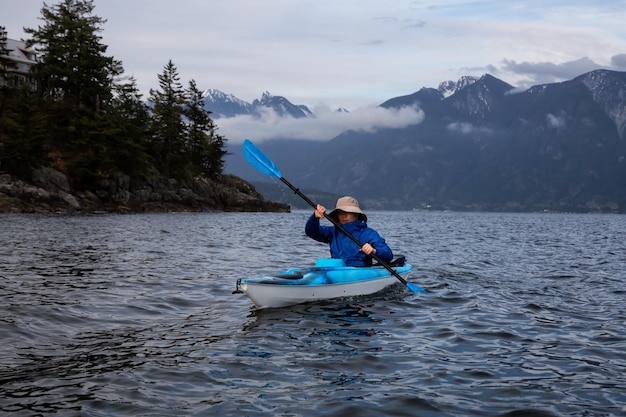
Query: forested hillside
{"points": [[81, 117]]}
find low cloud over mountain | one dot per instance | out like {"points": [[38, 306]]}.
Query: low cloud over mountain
{"points": [[274, 117]]}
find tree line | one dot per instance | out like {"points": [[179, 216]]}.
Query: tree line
{"points": [[80, 113]]}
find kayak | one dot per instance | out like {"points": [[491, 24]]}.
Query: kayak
{"points": [[329, 278]]}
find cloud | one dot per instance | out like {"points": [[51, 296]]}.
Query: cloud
{"points": [[461, 127], [534, 73], [467, 128], [555, 122], [351, 53], [326, 125], [619, 61]]}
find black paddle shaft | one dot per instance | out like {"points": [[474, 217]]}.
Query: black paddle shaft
{"points": [[338, 225]]}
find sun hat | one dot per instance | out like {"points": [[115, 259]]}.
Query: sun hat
{"points": [[349, 205]]}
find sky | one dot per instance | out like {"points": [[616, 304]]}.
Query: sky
{"points": [[354, 54]]}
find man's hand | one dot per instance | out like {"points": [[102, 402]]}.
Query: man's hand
{"points": [[319, 211], [368, 249]]}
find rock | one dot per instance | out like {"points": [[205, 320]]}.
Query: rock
{"points": [[10, 204], [71, 200], [51, 191], [50, 179]]}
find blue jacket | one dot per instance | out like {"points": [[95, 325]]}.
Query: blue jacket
{"points": [[342, 247]]}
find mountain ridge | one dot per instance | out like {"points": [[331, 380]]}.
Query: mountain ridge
{"points": [[487, 146], [224, 105]]}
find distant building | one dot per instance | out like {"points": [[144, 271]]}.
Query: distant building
{"points": [[17, 65]]}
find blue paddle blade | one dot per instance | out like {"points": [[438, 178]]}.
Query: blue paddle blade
{"points": [[259, 160], [415, 288]]}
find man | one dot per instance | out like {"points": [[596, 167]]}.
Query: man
{"points": [[353, 220]]}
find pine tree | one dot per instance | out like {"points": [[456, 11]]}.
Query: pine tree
{"points": [[22, 126], [23, 133], [5, 62], [73, 66], [129, 129], [5, 65], [168, 141], [75, 78], [204, 146]]}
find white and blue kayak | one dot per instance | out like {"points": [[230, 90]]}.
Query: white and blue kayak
{"points": [[329, 278]]}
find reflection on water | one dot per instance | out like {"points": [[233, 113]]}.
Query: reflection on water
{"points": [[134, 315]]}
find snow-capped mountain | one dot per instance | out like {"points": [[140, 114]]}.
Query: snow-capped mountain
{"points": [[488, 146], [222, 105], [281, 106], [448, 88]]}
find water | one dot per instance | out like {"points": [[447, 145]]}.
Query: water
{"points": [[133, 315]]}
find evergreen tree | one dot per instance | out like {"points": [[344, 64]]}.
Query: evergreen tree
{"points": [[5, 65], [130, 122], [75, 78], [22, 126], [73, 66], [23, 132], [5, 62], [204, 146], [168, 144]]}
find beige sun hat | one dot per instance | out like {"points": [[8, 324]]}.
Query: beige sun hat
{"points": [[349, 205]]}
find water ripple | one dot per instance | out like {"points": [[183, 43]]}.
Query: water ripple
{"points": [[109, 315]]}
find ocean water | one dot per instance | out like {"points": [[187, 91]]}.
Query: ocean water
{"points": [[133, 315]]}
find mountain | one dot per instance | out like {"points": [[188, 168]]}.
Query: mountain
{"points": [[486, 146], [222, 105], [607, 89], [448, 88], [281, 106]]}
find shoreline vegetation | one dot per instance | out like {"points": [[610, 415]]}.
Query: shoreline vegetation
{"points": [[77, 136]]}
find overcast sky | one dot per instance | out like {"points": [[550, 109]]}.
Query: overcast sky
{"points": [[348, 53]]}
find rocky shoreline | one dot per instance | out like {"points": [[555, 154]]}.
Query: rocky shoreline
{"points": [[51, 192]]}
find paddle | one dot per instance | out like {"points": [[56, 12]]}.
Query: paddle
{"points": [[263, 164]]}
